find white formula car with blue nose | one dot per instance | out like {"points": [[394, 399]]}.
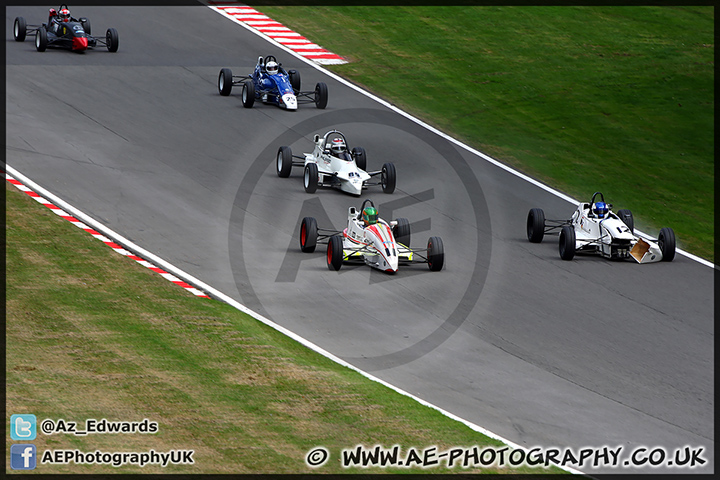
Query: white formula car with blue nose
{"points": [[331, 164], [370, 240], [595, 229]]}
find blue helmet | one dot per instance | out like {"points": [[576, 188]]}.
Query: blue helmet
{"points": [[600, 209]]}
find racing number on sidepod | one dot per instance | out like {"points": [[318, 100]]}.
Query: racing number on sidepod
{"points": [[313, 207]]}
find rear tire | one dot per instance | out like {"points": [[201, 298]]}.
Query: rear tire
{"points": [[567, 242], [19, 29], [41, 39], [225, 82], [387, 177], [401, 232], [536, 225], [248, 94], [627, 217], [435, 253], [294, 77], [358, 154], [335, 253], [283, 162], [112, 40], [310, 177], [666, 242], [321, 95], [308, 235]]}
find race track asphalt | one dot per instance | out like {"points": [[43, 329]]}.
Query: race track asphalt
{"points": [[543, 352]]}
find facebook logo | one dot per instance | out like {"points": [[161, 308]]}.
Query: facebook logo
{"points": [[23, 427], [23, 457]]}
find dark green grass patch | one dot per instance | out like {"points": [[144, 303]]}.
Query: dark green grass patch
{"points": [[611, 99], [92, 334]]}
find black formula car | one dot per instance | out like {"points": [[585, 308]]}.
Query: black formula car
{"points": [[64, 31]]}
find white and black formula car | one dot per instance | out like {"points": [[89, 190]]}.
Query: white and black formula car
{"points": [[369, 240], [595, 229], [331, 165]]}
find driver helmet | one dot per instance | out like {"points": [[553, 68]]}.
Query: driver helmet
{"points": [[271, 68], [600, 209], [65, 15], [338, 146], [370, 216]]}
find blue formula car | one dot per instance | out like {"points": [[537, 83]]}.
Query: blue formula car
{"points": [[271, 84]]}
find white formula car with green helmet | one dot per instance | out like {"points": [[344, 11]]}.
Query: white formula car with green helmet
{"points": [[370, 240]]}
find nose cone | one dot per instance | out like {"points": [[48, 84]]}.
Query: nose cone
{"points": [[392, 264], [355, 186], [80, 43], [381, 237], [290, 101]]}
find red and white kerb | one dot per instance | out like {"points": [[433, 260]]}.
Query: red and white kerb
{"points": [[277, 31], [118, 248]]}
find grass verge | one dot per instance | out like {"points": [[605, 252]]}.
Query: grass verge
{"points": [[614, 99], [91, 334]]}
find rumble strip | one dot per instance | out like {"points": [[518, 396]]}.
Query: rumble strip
{"points": [[276, 31], [118, 248]]}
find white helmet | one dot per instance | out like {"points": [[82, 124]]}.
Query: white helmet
{"points": [[338, 146], [271, 68]]}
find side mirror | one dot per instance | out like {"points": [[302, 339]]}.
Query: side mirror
{"points": [[316, 138]]}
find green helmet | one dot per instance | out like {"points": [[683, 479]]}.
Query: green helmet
{"points": [[370, 215]]}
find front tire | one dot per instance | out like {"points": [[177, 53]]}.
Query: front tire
{"points": [[225, 82], [666, 242], [401, 232], [310, 177], [436, 254], [567, 243], [627, 217], [308, 234], [19, 29], [294, 77], [41, 39], [387, 177], [112, 40], [335, 253], [87, 27], [321, 95], [360, 157], [284, 162], [248, 94], [536, 225]]}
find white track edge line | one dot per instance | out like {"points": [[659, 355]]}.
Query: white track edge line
{"points": [[77, 213], [444, 135]]}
